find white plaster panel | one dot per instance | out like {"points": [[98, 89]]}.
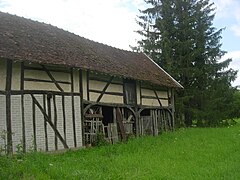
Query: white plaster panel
{"points": [[40, 132], [16, 76], [97, 85], [148, 92], [164, 102], [162, 94], [76, 81], [78, 120], [28, 122], [60, 120], [3, 127], [106, 98], [30, 85], [138, 92], [69, 121], [16, 118], [150, 102]]}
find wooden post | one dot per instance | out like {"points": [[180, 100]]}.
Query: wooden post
{"points": [[81, 105], [173, 109], [22, 108], [8, 106]]}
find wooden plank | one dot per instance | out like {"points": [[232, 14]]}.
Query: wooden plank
{"points": [[64, 117], [45, 123], [22, 108], [48, 119], [93, 116], [157, 97], [81, 106], [8, 106], [119, 119], [73, 110], [52, 78], [88, 96], [110, 93], [34, 126], [153, 97], [55, 120], [47, 81], [19, 92], [23, 124], [104, 89]]}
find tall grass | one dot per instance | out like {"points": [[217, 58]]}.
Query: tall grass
{"points": [[195, 153]]}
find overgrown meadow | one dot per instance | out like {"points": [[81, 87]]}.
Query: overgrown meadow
{"points": [[193, 153]]}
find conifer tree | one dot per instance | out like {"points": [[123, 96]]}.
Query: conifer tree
{"points": [[179, 35]]}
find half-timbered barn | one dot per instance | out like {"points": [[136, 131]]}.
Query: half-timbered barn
{"points": [[59, 90]]}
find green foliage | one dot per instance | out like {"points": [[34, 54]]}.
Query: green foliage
{"points": [[180, 37], [193, 153]]}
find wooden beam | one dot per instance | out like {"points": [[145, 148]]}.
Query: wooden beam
{"points": [[104, 89], [22, 108], [45, 123], [47, 81], [55, 120], [110, 93], [157, 97], [34, 126], [81, 105], [47, 118], [8, 106], [19, 92], [88, 96], [119, 119], [52, 78], [73, 110]]}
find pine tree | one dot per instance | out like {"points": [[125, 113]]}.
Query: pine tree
{"points": [[179, 36]]}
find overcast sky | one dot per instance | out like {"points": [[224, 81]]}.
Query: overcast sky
{"points": [[113, 22]]}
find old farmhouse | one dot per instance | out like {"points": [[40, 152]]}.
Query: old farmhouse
{"points": [[59, 90]]}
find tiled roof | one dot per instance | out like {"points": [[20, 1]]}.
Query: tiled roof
{"points": [[26, 40]]}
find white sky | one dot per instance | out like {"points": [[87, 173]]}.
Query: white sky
{"points": [[113, 22]]}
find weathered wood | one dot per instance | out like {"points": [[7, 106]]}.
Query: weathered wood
{"points": [[23, 124], [47, 81], [52, 78], [157, 97], [48, 119], [81, 107], [153, 97], [93, 116], [104, 80], [45, 123], [104, 89], [88, 95], [55, 120], [73, 111], [8, 106], [19, 92], [34, 126], [173, 109], [140, 86], [119, 119], [22, 108], [64, 117], [110, 93]]}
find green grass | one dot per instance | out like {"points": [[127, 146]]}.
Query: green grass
{"points": [[195, 153]]}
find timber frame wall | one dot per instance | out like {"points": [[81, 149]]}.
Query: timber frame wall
{"points": [[44, 108]]}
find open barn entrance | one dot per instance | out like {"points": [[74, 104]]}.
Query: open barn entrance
{"points": [[108, 122]]}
